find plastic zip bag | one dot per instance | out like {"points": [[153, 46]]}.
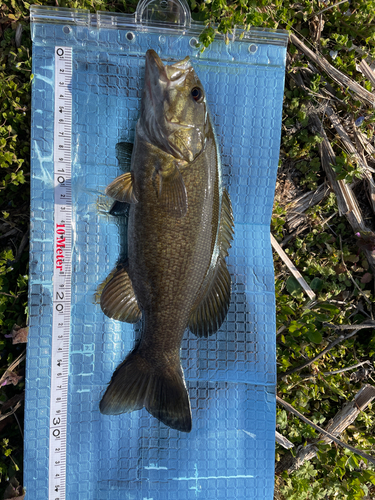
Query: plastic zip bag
{"points": [[231, 375]]}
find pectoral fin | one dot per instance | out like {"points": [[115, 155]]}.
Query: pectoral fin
{"points": [[118, 300], [122, 188], [172, 191]]}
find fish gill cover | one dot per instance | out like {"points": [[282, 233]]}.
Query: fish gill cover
{"points": [[228, 364]]}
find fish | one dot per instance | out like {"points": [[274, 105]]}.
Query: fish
{"points": [[180, 229]]}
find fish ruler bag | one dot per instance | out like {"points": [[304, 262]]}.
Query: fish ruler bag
{"points": [[152, 184]]}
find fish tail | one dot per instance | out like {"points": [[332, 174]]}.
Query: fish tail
{"points": [[137, 383]]}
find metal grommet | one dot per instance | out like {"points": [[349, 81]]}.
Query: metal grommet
{"points": [[130, 36], [66, 30], [194, 43], [253, 48]]}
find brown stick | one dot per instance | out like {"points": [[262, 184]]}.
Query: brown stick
{"points": [[327, 435], [352, 150], [346, 200], [345, 417], [295, 210], [327, 374], [367, 71], [332, 72], [292, 268], [283, 441]]}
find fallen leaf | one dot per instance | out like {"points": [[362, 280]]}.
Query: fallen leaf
{"points": [[366, 278], [14, 490], [19, 334], [13, 378], [340, 268], [10, 378]]}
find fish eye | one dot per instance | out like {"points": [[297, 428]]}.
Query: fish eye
{"points": [[197, 94]]}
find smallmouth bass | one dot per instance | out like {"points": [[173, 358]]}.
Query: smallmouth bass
{"points": [[180, 227]]}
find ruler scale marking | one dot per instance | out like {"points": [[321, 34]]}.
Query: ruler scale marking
{"points": [[61, 275]]}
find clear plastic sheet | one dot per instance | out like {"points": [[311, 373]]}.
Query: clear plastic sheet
{"points": [[230, 376]]}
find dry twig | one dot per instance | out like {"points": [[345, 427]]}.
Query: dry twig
{"points": [[353, 151], [346, 199], [367, 324], [292, 268], [308, 362], [332, 72], [336, 426], [328, 435], [285, 443], [9, 372], [295, 210], [335, 372], [355, 329], [367, 71], [13, 410], [331, 7]]}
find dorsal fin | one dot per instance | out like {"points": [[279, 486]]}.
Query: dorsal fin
{"points": [[213, 300], [226, 230], [211, 311]]}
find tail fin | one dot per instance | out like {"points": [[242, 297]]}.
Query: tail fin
{"points": [[137, 384]]}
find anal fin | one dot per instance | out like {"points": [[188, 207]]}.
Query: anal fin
{"points": [[118, 300]]}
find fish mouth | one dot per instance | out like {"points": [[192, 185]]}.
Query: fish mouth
{"points": [[154, 64], [164, 127], [166, 73], [157, 71]]}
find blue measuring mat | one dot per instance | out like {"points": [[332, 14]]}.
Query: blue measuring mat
{"points": [[230, 376]]}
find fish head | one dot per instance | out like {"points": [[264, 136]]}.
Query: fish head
{"points": [[174, 110]]}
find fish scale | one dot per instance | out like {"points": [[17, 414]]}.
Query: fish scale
{"points": [[188, 258]]}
